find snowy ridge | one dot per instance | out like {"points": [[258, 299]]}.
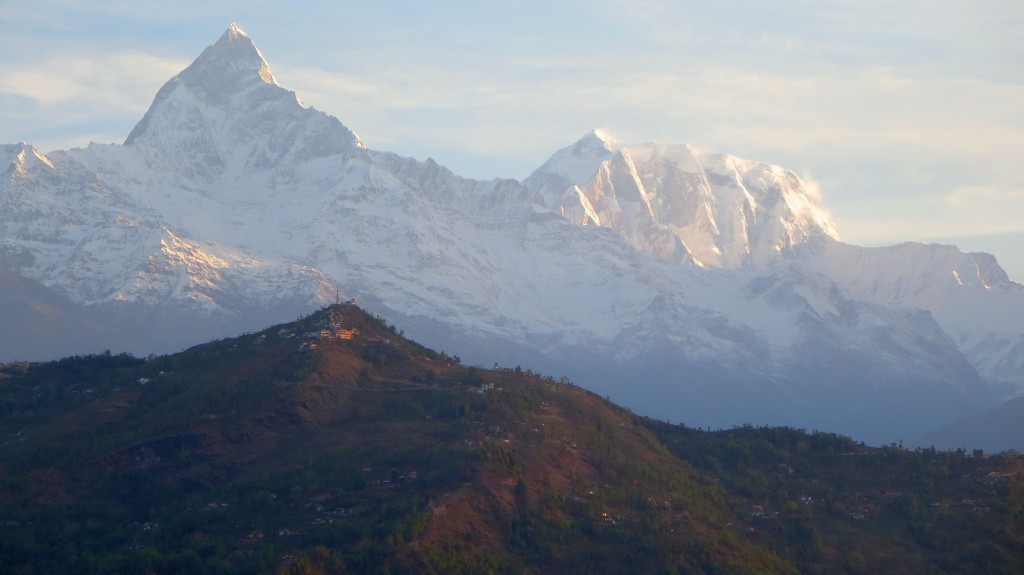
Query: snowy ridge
{"points": [[678, 202], [969, 295], [688, 285]]}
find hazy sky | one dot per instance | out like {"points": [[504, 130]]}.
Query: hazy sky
{"points": [[909, 115]]}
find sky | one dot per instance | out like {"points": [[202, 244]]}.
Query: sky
{"points": [[907, 115]]}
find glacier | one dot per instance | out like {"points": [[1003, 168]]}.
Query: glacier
{"points": [[691, 286]]}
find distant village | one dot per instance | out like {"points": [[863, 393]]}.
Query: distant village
{"points": [[331, 327]]}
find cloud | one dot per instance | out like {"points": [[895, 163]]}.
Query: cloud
{"points": [[962, 212], [811, 186], [991, 208], [970, 123], [75, 97], [111, 81]]}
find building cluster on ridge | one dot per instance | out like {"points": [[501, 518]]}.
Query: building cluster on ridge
{"points": [[331, 327]]}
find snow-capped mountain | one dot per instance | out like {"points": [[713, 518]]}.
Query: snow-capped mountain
{"points": [[692, 286], [680, 203]]}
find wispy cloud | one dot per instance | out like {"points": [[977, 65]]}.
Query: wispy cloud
{"points": [[113, 81], [992, 209], [82, 95], [960, 212]]}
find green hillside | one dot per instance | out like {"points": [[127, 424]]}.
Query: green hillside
{"points": [[334, 445]]}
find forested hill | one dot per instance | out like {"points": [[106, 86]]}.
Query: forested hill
{"points": [[334, 445]]}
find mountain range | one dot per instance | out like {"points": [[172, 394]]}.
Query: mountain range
{"points": [[690, 286]]}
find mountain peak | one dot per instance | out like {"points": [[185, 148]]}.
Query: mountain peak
{"points": [[233, 58], [236, 47], [233, 32], [235, 116], [228, 99], [573, 164], [21, 158], [596, 142], [230, 66]]}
